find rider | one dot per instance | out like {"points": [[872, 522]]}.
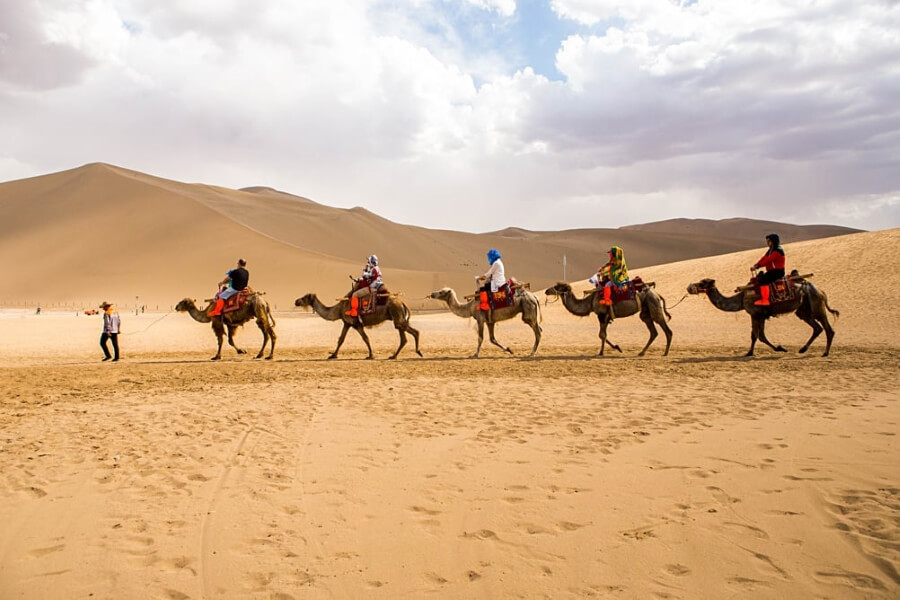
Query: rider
{"points": [[773, 261], [616, 271], [494, 279], [236, 280], [368, 284]]}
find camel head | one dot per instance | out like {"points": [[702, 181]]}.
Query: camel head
{"points": [[559, 289], [701, 287], [441, 294], [306, 301], [186, 305]]}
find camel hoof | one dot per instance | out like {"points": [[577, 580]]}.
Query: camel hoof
{"points": [[216, 358], [370, 357], [803, 350], [392, 357], [419, 353], [239, 351], [257, 356], [270, 357], [332, 356], [780, 349]]}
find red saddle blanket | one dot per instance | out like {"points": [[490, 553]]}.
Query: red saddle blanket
{"points": [[504, 297], [780, 290], [628, 290], [366, 304], [235, 302]]}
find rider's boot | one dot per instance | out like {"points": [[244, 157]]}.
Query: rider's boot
{"points": [[482, 295], [354, 307], [607, 296], [217, 310], [764, 293]]}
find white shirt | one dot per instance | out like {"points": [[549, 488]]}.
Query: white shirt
{"points": [[496, 275]]}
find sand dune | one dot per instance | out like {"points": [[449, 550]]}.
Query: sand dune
{"points": [[103, 232]]}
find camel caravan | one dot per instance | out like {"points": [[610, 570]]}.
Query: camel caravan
{"points": [[614, 295]]}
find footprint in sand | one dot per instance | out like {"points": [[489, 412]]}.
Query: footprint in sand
{"points": [[754, 531], [677, 569], [39, 552]]}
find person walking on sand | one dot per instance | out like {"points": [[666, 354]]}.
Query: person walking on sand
{"points": [[111, 325]]}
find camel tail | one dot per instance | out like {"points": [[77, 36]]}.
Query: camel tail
{"points": [[665, 310], [833, 311], [269, 316]]}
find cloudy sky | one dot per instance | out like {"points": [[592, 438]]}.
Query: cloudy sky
{"points": [[473, 115]]}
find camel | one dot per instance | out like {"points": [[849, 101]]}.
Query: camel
{"points": [[810, 306], [651, 308], [395, 310], [525, 303], [255, 308]]}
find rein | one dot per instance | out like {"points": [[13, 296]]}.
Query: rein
{"points": [[150, 325]]}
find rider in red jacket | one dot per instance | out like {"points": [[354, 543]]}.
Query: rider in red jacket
{"points": [[773, 261]]}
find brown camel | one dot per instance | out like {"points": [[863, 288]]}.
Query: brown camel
{"points": [[525, 303], [255, 308], [810, 306], [652, 308], [395, 310]]}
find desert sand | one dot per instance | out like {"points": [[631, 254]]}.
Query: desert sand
{"points": [[703, 474]]}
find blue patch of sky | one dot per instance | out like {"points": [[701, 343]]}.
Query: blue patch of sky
{"points": [[530, 37]]}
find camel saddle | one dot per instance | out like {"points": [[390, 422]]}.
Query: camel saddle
{"points": [[367, 306], [235, 303], [780, 290], [505, 296], [628, 290]]}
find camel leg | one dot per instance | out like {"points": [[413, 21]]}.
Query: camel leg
{"points": [[268, 334], [340, 341], [829, 335], [413, 332], [480, 337], [402, 343], [758, 331], [362, 333], [665, 327], [231, 343], [653, 334], [817, 330], [220, 334], [272, 341], [603, 325], [537, 336], [494, 341]]}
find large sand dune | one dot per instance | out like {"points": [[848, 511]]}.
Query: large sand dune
{"points": [[103, 232]]}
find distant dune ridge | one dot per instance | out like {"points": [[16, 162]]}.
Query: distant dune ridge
{"points": [[99, 231]]}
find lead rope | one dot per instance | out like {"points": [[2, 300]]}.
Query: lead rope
{"points": [[150, 325]]}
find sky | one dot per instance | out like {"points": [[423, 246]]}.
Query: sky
{"points": [[473, 115]]}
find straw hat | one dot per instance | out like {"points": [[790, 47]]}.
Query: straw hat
{"points": [[105, 305]]}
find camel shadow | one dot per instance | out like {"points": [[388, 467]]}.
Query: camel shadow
{"points": [[726, 359]]}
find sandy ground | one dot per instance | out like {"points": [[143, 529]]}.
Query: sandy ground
{"points": [[703, 474]]}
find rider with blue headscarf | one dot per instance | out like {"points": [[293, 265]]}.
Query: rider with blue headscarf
{"points": [[494, 279]]}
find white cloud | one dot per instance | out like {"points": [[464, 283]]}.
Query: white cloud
{"points": [[709, 108]]}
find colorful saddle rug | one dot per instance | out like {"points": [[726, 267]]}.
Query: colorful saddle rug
{"points": [[628, 290], [369, 304], [235, 303], [780, 290], [504, 297]]}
